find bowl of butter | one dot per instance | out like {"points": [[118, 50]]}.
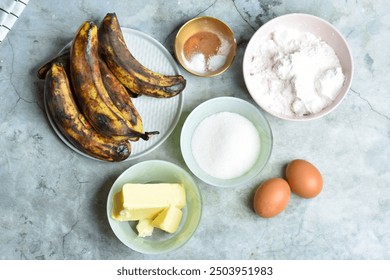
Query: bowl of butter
{"points": [[154, 207]]}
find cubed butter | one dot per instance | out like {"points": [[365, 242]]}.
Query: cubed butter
{"points": [[144, 228], [169, 219], [145, 201]]}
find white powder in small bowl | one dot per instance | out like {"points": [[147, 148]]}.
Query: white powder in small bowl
{"points": [[202, 63], [225, 145]]}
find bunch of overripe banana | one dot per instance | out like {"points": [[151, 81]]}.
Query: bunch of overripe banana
{"points": [[88, 89]]}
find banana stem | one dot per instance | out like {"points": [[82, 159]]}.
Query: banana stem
{"points": [[146, 136]]}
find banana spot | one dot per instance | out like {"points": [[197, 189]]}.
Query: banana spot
{"points": [[103, 121]]}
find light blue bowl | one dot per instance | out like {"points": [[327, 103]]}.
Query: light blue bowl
{"points": [[233, 105], [157, 171]]}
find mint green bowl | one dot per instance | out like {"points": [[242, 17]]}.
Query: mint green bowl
{"points": [[157, 171], [233, 105]]}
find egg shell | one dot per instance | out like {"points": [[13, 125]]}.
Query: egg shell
{"points": [[304, 178], [271, 197]]}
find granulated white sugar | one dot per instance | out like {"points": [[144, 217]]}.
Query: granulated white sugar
{"points": [[226, 145]]}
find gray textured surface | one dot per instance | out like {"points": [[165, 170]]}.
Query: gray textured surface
{"points": [[52, 200]]}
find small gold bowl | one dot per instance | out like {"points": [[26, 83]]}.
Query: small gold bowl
{"points": [[205, 46]]}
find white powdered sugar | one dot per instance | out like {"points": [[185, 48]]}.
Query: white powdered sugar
{"points": [[295, 73], [200, 64]]}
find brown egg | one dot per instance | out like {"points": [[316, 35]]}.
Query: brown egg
{"points": [[271, 197], [304, 178]]}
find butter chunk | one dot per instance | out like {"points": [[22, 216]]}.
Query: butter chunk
{"points": [[138, 214], [144, 228], [122, 214], [169, 219], [153, 195], [145, 201]]}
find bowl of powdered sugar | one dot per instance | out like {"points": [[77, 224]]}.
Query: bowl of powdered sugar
{"points": [[298, 67], [226, 141]]}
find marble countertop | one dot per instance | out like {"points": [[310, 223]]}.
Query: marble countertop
{"points": [[53, 200]]}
